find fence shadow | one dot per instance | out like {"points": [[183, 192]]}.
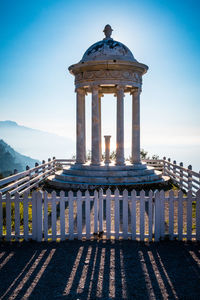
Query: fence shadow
{"points": [[100, 270]]}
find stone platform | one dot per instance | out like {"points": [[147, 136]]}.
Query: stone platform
{"points": [[86, 176]]}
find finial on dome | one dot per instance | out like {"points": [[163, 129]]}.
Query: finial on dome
{"points": [[107, 31]]}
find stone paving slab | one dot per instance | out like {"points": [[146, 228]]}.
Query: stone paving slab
{"points": [[100, 270]]}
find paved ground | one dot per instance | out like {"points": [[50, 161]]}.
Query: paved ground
{"points": [[100, 270]]}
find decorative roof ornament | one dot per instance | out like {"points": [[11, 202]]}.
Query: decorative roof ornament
{"points": [[107, 31]]}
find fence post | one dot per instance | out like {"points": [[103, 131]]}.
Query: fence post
{"points": [[164, 166], [43, 169], [29, 174], [49, 165], [198, 215], [174, 170], [54, 165], [189, 178], [169, 167], [181, 175], [36, 172]]}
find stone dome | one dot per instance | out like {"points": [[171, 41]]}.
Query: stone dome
{"points": [[108, 49]]}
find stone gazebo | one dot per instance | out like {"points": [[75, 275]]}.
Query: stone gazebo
{"points": [[107, 67]]}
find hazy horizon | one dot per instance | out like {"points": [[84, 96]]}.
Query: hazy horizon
{"points": [[189, 155]]}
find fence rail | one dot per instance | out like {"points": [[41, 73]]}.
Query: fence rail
{"points": [[44, 216], [185, 178]]}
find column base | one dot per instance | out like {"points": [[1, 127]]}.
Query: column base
{"points": [[95, 164], [135, 163], [79, 163], [120, 163]]}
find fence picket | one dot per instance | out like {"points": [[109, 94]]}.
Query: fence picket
{"points": [[116, 214], [189, 215], [45, 221], [53, 216], [133, 214], [142, 223], [39, 216], [71, 215], [25, 215], [171, 215], [62, 215], [87, 209], [79, 214], [108, 217], [34, 215], [125, 214], [95, 212], [198, 216], [162, 214], [157, 216], [150, 214], [8, 216], [101, 211], [180, 215], [17, 215]]}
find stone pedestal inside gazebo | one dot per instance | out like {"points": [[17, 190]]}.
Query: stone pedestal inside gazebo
{"points": [[107, 67]]}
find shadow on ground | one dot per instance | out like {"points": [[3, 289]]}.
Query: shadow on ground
{"points": [[100, 270]]}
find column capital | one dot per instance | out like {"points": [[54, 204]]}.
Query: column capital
{"points": [[81, 91], [95, 88], [120, 91], [136, 92], [120, 88]]}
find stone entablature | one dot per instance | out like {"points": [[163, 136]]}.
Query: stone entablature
{"points": [[108, 73]]}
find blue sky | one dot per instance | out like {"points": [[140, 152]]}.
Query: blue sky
{"points": [[40, 39]]}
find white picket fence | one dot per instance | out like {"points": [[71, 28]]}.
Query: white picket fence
{"points": [[44, 216]]}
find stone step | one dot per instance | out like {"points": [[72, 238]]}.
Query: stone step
{"points": [[108, 180], [109, 167], [52, 181], [107, 173]]}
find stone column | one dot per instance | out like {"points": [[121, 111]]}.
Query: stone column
{"points": [[100, 137], [80, 126], [120, 126], [107, 148], [136, 126], [95, 126]]}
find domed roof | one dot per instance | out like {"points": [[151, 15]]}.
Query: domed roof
{"points": [[108, 49]]}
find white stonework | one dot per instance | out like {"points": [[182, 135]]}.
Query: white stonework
{"points": [[107, 67]]}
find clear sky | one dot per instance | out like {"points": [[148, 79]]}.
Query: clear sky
{"points": [[40, 39]]}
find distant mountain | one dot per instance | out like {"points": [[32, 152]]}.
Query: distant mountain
{"points": [[36, 143], [10, 160]]}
